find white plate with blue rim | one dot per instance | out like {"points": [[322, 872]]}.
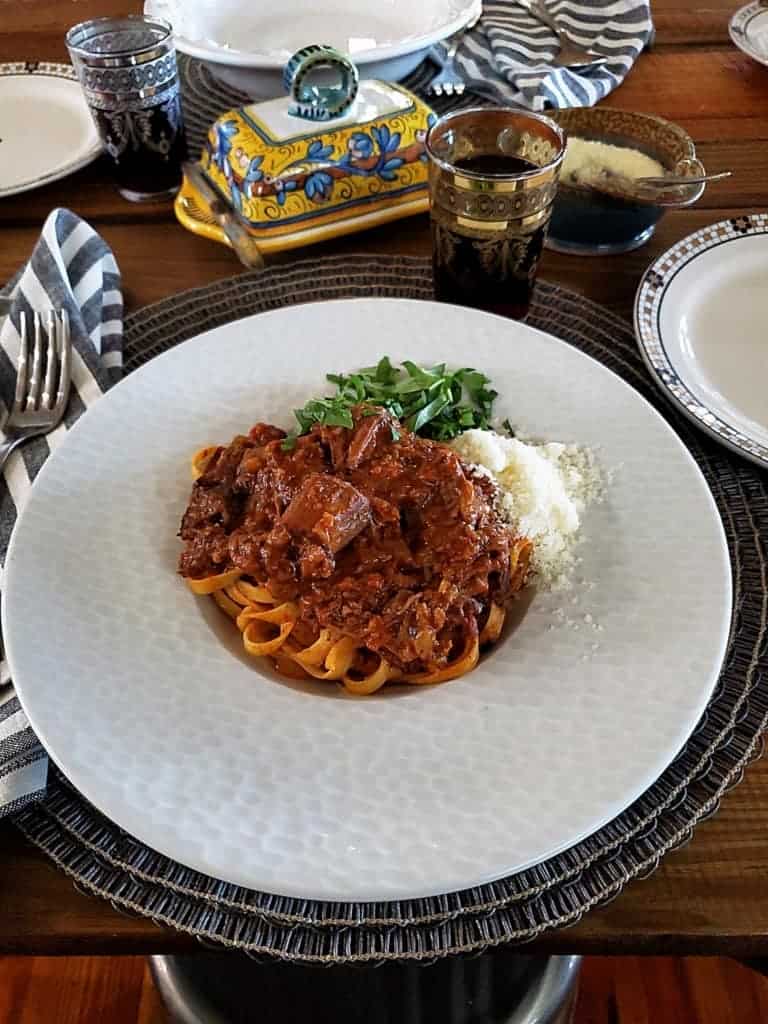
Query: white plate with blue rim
{"points": [[748, 29], [46, 128], [142, 695], [701, 320]]}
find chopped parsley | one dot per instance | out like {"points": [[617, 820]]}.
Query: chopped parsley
{"points": [[432, 402]]}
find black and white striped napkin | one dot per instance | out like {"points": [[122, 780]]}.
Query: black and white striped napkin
{"points": [[508, 55], [71, 268]]}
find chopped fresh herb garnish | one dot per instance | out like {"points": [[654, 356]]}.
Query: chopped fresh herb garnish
{"points": [[508, 427], [430, 401], [333, 412]]}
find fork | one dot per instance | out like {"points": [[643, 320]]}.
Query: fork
{"points": [[571, 55], [40, 400], [448, 81]]}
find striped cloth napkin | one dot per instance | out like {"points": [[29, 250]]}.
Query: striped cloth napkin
{"points": [[71, 268], [508, 55]]}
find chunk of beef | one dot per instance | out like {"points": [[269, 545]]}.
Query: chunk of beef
{"points": [[206, 506], [315, 562], [384, 512], [245, 550], [336, 440], [369, 430], [263, 433], [206, 552], [223, 467], [257, 454], [328, 510], [213, 500]]}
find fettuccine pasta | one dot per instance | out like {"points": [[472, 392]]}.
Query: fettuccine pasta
{"points": [[266, 624]]}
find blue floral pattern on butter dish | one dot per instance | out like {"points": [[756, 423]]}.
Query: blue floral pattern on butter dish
{"points": [[360, 146], [282, 188], [387, 172], [375, 154], [243, 184], [318, 186], [368, 156], [317, 151], [219, 147], [388, 143]]}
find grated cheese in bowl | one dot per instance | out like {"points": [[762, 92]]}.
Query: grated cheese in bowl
{"points": [[590, 162], [543, 490]]}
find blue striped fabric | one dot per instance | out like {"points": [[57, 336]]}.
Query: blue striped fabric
{"points": [[71, 268], [508, 55]]}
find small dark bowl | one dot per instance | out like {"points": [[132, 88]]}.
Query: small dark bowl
{"points": [[588, 220]]}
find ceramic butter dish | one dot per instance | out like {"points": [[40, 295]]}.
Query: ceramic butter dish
{"points": [[324, 161]]}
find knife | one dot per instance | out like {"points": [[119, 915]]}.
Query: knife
{"points": [[231, 223]]}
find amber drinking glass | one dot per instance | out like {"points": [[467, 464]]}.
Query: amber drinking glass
{"points": [[127, 68], [493, 177]]}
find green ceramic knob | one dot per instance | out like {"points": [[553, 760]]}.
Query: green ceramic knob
{"points": [[322, 83]]}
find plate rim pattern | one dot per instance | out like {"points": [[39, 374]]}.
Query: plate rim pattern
{"points": [[46, 69], [649, 299], [738, 29]]}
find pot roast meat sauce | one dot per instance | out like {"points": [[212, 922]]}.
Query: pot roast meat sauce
{"points": [[393, 542]]}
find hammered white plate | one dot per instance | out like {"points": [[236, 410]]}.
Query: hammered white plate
{"points": [[248, 45], [234, 33], [46, 129], [748, 29], [139, 690], [701, 319]]}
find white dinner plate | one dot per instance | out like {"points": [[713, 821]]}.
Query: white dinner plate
{"points": [[748, 28], [46, 129], [701, 319], [142, 695], [248, 45]]}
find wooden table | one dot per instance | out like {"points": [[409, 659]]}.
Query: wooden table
{"points": [[709, 898]]}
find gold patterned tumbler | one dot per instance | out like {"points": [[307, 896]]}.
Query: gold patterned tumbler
{"points": [[492, 178]]}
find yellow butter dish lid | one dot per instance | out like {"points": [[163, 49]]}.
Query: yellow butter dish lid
{"points": [[333, 157]]}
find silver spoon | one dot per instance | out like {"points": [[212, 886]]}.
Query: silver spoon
{"points": [[655, 190], [678, 180]]}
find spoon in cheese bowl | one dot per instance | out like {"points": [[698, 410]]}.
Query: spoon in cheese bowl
{"points": [[661, 190], [676, 180]]}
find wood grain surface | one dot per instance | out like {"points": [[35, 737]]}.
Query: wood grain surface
{"points": [[709, 898], [612, 990]]}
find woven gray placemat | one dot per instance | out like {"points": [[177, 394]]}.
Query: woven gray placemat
{"points": [[106, 860]]}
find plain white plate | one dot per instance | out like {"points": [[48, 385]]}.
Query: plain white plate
{"points": [[141, 694], [247, 46], [46, 129], [701, 319], [748, 29]]}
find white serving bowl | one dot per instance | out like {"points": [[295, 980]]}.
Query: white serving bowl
{"points": [[247, 45]]}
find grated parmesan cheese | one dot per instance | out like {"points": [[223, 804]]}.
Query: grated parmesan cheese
{"points": [[589, 161], [543, 490]]}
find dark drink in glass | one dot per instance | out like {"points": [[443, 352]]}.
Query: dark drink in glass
{"points": [[127, 68], [502, 282], [493, 177], [147, 162]]}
